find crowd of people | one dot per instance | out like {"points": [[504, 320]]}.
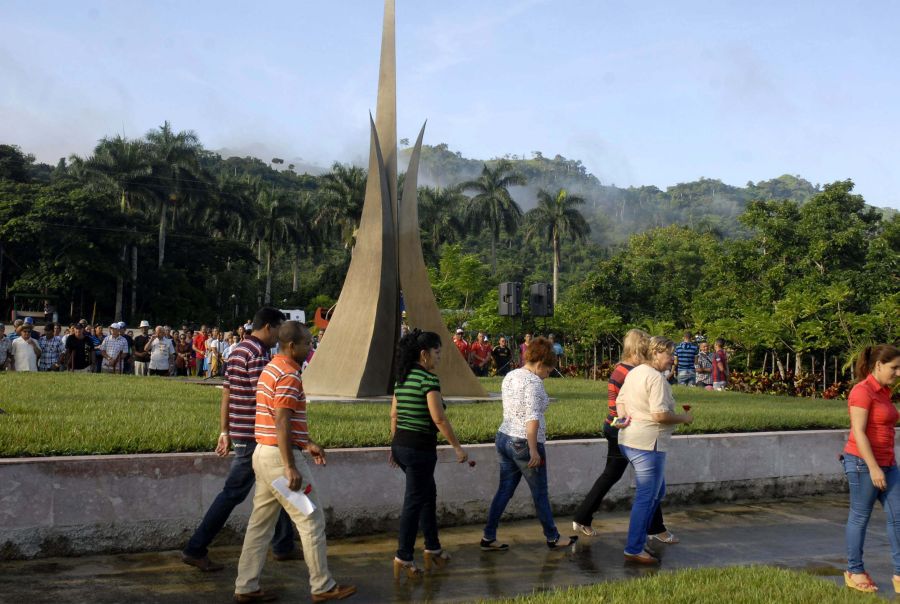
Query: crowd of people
{"points": [[85, 348], [694, 364], [263, 421]]}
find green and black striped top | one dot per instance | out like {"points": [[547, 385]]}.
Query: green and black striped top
{"points": [[414, 425]]}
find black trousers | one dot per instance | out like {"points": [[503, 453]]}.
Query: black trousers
{"points": [[616, 464]]}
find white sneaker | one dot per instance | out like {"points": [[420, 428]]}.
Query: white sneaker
{"points": [[584, 529]]}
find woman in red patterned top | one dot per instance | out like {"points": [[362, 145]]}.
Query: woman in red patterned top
{"points": [[869, 460], [634, 349]]}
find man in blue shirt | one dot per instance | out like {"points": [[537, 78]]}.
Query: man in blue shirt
{"points": [[685, 354]]}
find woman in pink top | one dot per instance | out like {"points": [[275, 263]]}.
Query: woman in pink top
{"points": [[869, 462]]}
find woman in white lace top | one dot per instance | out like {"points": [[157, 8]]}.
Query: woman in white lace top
{"points": [[520, 443]]}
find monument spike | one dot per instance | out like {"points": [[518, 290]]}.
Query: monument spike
{"points": [[355, 357], [421, 309], [386, 107]]}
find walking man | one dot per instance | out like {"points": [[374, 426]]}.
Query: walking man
{"points": [[685, 355], [281, 434], [237, 422]]}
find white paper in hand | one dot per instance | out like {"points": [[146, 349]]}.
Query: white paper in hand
{"points": [[298, 499]]}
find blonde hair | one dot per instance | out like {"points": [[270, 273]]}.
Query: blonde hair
{"points": [[634, 345], [659, 344]]}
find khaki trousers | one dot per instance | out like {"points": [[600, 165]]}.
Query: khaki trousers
{"points": [[267, 503]]}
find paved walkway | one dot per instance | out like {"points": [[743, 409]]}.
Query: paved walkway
{"points": [[804, 534]]}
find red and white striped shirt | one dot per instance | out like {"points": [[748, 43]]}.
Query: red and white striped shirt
{"points": [[242, 372], [280, 387]]}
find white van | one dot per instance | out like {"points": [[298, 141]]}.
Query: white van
{"points": [[294, 315]]}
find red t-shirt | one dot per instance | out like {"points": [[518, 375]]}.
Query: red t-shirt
{"points": [[616, 379], [463, 347], [883, 416], [200, 344], [480, 353]]}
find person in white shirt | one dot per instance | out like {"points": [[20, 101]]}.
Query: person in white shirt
{"points": [[161, 351], [520, 444], [25, 351], [114, 348], [215, 345], [646, 399]]}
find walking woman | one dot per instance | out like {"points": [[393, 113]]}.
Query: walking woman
{"points": [[417, 415], [869, 462], [634, 350], [520, 444], [646, 398]]}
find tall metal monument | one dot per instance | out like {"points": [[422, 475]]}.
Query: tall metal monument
{"points": [[355, 358]]}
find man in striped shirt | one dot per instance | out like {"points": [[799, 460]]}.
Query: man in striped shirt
{"points": [[281, 435], [685, 356], [237, 418]]}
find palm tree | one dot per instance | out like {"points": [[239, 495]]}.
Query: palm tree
{"points": [[276, 224], [306, 234], [492, 204], [124, 166], [175, 170], [556, 217], [440, 216], [342, 193]]}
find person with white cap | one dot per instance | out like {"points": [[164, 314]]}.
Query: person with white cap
{"points": [[25, 351], [113, 349], [141, 355], [460, 341]]}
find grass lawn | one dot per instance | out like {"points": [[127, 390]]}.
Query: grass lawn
{"points": [[75, 414], [735, 585]]}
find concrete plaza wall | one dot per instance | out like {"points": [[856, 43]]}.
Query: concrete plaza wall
{"points": [[117, 503]]}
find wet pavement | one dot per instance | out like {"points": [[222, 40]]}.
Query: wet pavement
{"points": [[804, 534]]}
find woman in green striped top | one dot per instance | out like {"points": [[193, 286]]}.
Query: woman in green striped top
{"points": [[417, 415]]}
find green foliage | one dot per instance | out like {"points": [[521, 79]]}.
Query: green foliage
{"points": [[734, 584], [459, 278]]}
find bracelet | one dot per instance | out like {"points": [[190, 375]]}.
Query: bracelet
{"points": [[223, 434]]}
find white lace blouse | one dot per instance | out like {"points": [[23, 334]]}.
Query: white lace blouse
{"points": [[524, 400]]}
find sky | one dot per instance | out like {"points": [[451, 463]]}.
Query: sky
{"points": [[644, 93]]}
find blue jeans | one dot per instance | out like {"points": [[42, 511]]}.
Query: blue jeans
{"points": [[419, 500], [650, 477], [513, 456], [687, 378], [238, 484], [616, 464], [863, 495]]}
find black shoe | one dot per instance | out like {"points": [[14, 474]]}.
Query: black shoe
{"points": [[204, 563], [493, 546], [557, 545]]}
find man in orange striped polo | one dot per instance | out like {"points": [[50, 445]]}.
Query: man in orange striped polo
{"points": [[281, 435]]}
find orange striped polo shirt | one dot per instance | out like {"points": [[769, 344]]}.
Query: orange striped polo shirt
{"points": [[280, 386]]}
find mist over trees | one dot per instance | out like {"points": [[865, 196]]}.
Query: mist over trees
{"points": [[161, 228]]}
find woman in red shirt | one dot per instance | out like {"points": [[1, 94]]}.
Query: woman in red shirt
{"points": [[869, 460]]}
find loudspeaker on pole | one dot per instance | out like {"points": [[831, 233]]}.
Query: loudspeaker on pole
{"points": [[510, 302]]}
